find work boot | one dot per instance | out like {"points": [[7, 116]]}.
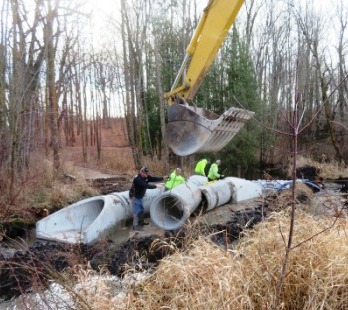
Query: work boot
{"points": [[137, 226], [135, 222], [141, 220]]}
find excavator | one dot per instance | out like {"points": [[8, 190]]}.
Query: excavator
{"points": [[191, 129]]}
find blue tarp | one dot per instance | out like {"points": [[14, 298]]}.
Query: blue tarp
{"points": [[279, 185]]}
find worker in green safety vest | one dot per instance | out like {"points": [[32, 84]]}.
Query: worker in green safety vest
{"points": [[200, 167], [214, 171], [175, 179]]}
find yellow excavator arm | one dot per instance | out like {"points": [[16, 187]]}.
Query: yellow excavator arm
{"points": [[210, 32], [196, 130]]}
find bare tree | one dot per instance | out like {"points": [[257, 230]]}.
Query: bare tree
{"points": [[312, 36], [165, 148], [27, 58], [51, 82], [132, 123]]}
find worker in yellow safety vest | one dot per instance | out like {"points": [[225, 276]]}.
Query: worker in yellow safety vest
{"points": [[175, 179], [200, 167], [214, 171]]}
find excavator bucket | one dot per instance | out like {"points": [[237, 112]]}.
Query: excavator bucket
{"points": [[196, 130]]}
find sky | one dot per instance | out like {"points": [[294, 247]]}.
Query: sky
{"points": [[108, 10], [112, 6]]}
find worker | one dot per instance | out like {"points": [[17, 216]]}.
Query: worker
{"points": [[214, 171], [200, 167], [139, 186], [175, 179]]}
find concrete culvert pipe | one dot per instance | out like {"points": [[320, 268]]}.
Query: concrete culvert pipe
{"points": [[171, 209], [216, 194], [90, 219], [244, 189]]}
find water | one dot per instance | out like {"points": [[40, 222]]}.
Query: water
{"points": [[119, 234], [21, 243]]}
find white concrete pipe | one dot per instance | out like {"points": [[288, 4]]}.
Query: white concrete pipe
{"points": [[171, 209], [90, 219], [244, 189], [216, 194]]}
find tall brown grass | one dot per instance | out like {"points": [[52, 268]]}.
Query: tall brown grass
{"points": [[40, 187], [327, 170], [206, 276]]}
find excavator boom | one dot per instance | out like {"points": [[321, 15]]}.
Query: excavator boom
{"points": [[190, 128]]}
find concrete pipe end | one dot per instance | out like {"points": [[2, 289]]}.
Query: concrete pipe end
{"points": [[168, 212]]}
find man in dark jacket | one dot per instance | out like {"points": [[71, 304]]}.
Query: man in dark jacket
{"points": [[140, 185]]}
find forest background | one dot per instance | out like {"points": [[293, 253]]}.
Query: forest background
{"points": [[78, 87]]}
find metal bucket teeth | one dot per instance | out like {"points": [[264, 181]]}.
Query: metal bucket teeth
{"points": [[195, 130]]}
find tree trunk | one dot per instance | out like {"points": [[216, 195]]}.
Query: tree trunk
{"points": [[130, 109], [52, 95], [164, 144]]}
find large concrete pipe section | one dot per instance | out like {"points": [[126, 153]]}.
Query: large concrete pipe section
{"points": [[171, 209], [243, 189], [229, 189], [215, 194], [90, 219]]}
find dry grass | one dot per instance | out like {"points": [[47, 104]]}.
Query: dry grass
{"points": [[48, 191], [103, 286], [303, 195], [331, 170], [113, 160], [205, 276], [208, 277]]}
